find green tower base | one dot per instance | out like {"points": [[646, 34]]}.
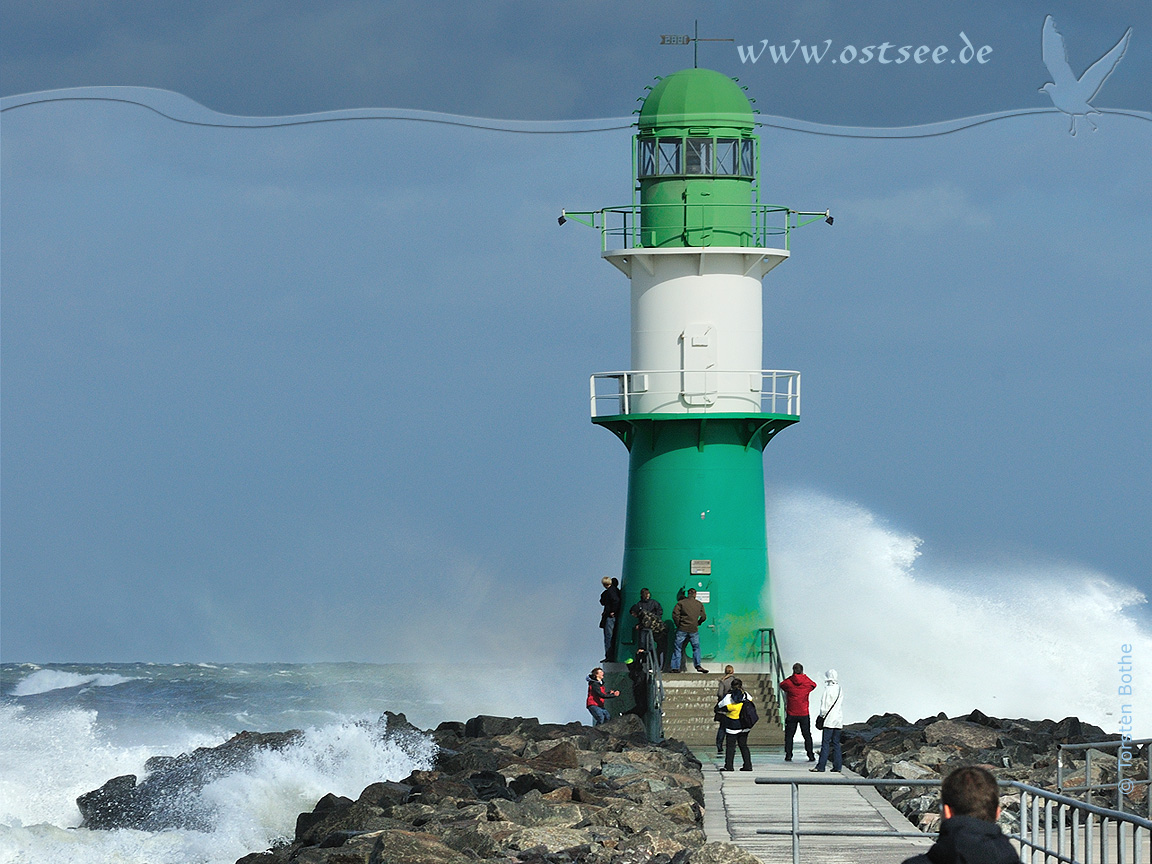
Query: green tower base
{"points": [[696, 520]]}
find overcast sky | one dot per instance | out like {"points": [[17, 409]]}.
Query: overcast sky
{"points": [[308, 392]]}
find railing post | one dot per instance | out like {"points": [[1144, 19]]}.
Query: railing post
{"points": [[1088, 775], [1035, 827], [795, 823], [1024, 848], [1047, 828], [1119, 781], [1060, 768]]}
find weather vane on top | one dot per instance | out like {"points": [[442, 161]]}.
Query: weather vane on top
{"points": [[675, 39]]}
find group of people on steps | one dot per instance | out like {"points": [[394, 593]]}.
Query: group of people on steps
{"points": [[969, 796]]}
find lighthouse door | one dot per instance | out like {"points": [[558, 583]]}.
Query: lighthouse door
{"points": [[698, 364]]}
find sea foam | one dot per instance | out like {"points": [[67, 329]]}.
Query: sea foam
{"points": [[47, 680], [917, 638], [50, 758]]}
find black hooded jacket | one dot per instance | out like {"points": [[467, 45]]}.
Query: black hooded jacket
{"points": [[968, 840]]}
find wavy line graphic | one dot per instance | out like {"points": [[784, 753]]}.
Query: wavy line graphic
{"points": [[181, 109]]}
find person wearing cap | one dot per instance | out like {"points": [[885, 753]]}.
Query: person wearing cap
{"points": [[832, 710], [610, 600]]}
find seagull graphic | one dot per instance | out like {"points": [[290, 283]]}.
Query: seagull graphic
{"points": [[1070, 94]]}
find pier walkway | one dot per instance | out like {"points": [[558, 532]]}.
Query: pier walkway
{"points": [[735, 808]]}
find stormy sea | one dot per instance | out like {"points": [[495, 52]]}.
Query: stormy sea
{"points": [[65, 729], [908, 634]]}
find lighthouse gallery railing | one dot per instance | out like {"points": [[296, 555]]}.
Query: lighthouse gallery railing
{"points": [[613, 393], [759, 225]]}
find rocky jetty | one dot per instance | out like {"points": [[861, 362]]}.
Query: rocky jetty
{"points": [[512, 789], [889, 747], [167, 797], [501, 789]]}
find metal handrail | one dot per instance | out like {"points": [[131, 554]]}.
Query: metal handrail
{"points": [[768, 646], [623, 222], [652, 665], [1122, 785], [779, 389], [1029, 831]]}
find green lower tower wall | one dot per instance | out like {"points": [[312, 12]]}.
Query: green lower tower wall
{"points": [[696, 492]]}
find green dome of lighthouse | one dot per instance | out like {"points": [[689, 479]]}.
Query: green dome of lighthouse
{"points": [[696, 98]]}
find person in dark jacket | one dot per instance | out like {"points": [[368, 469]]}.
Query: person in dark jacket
{"points": [[649, 615], [734, 731], [970, 802], [796, 689], [610, 600], [597, 696], [723, 688], [638, 675]]}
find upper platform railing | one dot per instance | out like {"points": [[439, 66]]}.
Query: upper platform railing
{"points": [[754, 226], [677, 391]]}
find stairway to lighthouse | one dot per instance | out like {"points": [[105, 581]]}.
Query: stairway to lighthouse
{"points": [[689, 698]]}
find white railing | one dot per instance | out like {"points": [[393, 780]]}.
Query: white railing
{"points": [[680, 391], [1050, 827]]}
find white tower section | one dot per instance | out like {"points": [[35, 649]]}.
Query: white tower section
{"points": [[697, 327]]}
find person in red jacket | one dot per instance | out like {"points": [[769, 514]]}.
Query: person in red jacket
{"points": [[596, 696], [796, 689]]}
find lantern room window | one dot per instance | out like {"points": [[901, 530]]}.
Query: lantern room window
{"points": [[727, 156], [698, 156], [647, 158], [747, 158], [715, 157]]}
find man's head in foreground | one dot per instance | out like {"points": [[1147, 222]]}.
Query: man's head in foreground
{"points": [[970, 791]]}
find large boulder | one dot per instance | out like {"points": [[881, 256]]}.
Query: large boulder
{"points": [[961, 732], [168, 797]]}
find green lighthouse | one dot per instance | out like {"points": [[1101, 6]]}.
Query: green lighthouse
{"points": [[696, 409]]}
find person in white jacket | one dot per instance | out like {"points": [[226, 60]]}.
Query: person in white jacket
{"points": [[832, 710]]}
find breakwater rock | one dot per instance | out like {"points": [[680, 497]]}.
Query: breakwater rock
{"points": [[889, 747], [512, 789], [167, 797]]}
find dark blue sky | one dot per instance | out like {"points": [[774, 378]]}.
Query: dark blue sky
{"points": [[312, 392]]}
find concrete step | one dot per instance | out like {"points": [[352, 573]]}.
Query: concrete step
{"points": [[689, 698]]}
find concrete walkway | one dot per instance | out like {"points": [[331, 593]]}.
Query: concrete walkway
{"points": [[735, 807]]}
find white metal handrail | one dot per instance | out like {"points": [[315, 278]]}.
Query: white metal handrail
{"points": [[1123, 785], [778, 390], [1050, 827]]}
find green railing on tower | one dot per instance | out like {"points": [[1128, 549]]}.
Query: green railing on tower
{"points": [[622, 228]]}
